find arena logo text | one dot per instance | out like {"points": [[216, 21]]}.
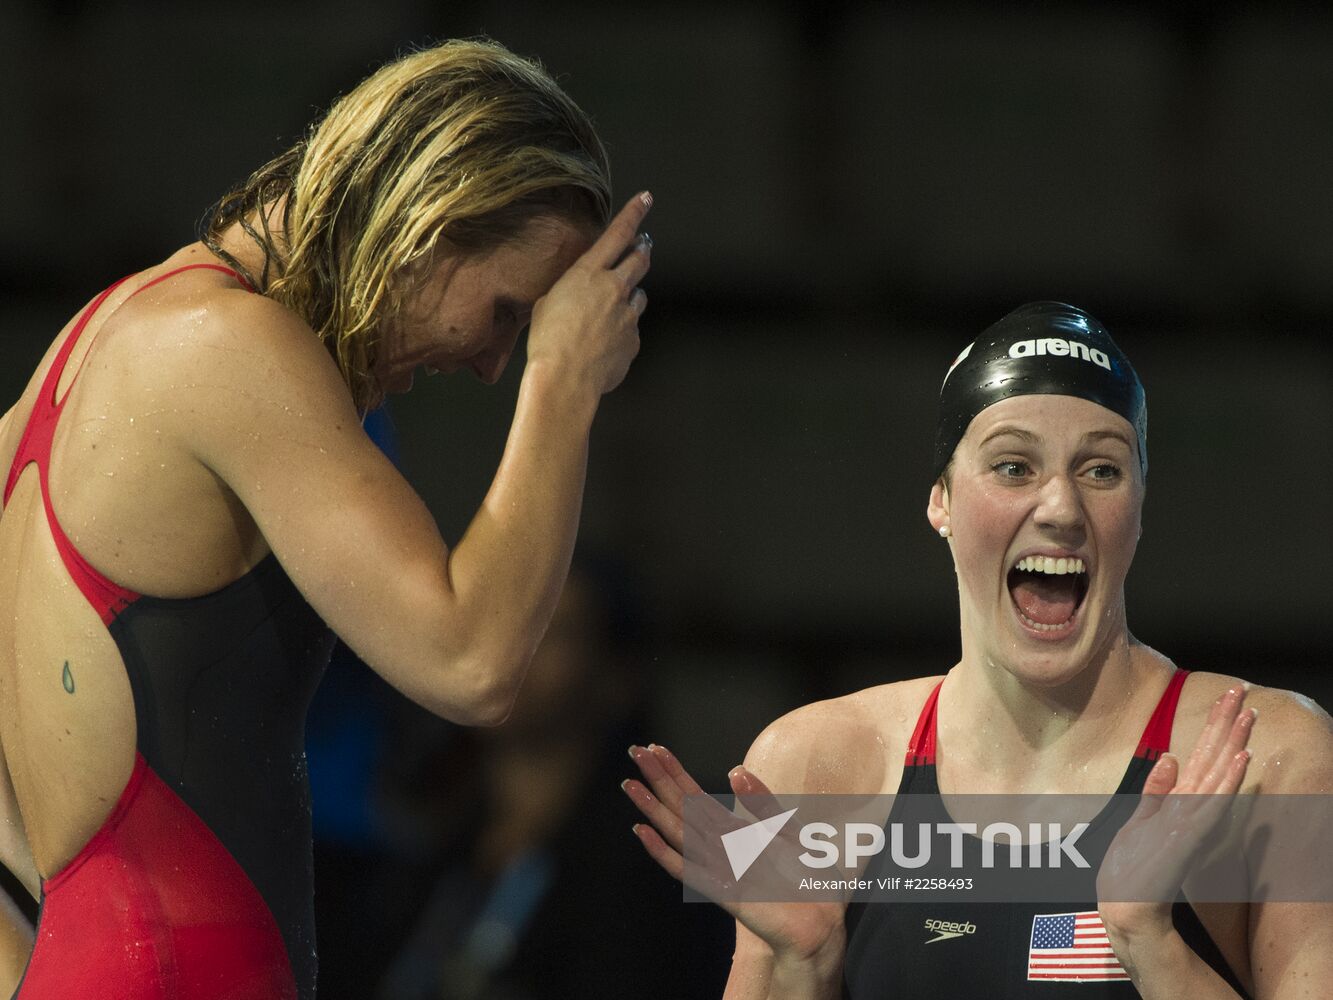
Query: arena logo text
{"points": [[1058, 348]]}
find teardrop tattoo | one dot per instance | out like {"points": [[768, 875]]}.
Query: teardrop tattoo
{"points": [[67, 679]]}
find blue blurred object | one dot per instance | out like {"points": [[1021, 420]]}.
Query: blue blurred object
{"points": [[346, 727]]}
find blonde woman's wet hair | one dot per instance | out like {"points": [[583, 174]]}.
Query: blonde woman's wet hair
{"points": [[454, 148]]}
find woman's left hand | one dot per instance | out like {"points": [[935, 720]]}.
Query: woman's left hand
{"points": [[1154, 851]]}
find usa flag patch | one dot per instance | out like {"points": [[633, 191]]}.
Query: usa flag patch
{"points": [[1072, 947]]}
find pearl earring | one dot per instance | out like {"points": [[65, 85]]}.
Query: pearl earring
{"points": [[944, 531]]}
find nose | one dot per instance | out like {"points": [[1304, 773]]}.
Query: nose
{"points": [[1060, 505], [489, 363], [490, 366]]}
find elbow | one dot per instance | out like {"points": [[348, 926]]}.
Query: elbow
{"points": [[487, 713], [486, 695]]}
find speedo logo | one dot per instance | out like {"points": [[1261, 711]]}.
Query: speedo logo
{"points": [[1058, 348], [945, 930]]}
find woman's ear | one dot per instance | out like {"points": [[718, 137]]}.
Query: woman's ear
{"points": [[937, 509]]}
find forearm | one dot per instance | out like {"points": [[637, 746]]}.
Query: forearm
{"points": [[507, 572], [16, 937], [1163, 967]]}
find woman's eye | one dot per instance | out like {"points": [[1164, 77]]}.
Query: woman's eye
{"points": [[1105, 472], [1011, 469]]}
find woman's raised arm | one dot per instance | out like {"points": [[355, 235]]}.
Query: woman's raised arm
{"points": [[258, 401]]}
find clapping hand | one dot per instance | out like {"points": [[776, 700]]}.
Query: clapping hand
{"points": [[1180, 811], [794, 930]]}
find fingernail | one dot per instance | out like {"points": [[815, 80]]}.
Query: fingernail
{"points": [[647, 198], [624, 786], [632, 755], [645, 241]]}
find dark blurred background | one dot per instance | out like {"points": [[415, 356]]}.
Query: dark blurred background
{"points": [[846, 194]]}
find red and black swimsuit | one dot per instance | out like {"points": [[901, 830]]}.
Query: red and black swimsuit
{"points": [[198, 886], [1011, 949]]}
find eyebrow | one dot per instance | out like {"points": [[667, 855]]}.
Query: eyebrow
{"points": [[1113, 435], [1017, 432], [1032, 438]]}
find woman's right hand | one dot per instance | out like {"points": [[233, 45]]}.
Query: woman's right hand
{"points": [[806, 934], [587, 326]]}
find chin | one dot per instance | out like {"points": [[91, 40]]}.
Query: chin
{"points": [[1044, 671], [1050, 660]]}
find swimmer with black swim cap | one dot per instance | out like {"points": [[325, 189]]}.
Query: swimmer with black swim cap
{"points": [[1039, 470], [1050, 349]]}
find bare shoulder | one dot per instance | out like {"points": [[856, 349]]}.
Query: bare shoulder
{"points": [[849, 745], [1292, 743], [229, 368], [228, 333]]}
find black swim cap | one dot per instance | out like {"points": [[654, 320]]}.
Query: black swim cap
{"points": [[1042, 348]]}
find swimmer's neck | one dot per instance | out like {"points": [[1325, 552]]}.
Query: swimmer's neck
{"points": [[243, 247], [1012, 727]]}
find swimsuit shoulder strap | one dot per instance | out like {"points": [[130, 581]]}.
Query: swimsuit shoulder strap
{"points": [[921, 747], [1156, 738]]}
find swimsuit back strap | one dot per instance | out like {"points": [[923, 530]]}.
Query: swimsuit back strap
{"points": [[106, 597], [35, 445]]}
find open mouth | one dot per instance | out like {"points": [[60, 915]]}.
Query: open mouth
{"points": [[1047, 591]]}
